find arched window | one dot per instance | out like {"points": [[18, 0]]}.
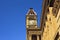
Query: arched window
{"points": [[57, 36], [51, 3]]}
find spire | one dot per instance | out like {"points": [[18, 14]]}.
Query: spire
{"points": [[31, 12]]}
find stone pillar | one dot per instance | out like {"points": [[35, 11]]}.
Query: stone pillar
{"points": [[37, 37], [30, 37]]}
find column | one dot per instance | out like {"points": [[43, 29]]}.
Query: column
{"points": [[30, 37], [37, 37]]}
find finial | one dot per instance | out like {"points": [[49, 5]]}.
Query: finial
{"points": [[31, 8]]}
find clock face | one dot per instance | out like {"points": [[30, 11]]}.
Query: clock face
{"points": [[31, 22]]}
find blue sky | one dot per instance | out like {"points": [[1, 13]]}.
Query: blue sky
{"points": [[12, 17]]}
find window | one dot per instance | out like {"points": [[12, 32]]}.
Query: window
{"points": [[52, 3], [39, 37], [34, 37], [59, 29], [49, 19], [47, 10], [58, 18], [46, 18], [57, 36], [58, 1], [54, 11], [48, 27], [43, 29]]}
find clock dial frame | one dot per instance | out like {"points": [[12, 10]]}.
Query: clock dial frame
{"points": [[31, 22]]}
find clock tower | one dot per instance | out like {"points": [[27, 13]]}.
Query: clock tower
{"points": [[31, 19], [32, 31]]}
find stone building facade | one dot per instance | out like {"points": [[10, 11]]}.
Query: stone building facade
{"points": [[49, 24], [50, 20]]}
